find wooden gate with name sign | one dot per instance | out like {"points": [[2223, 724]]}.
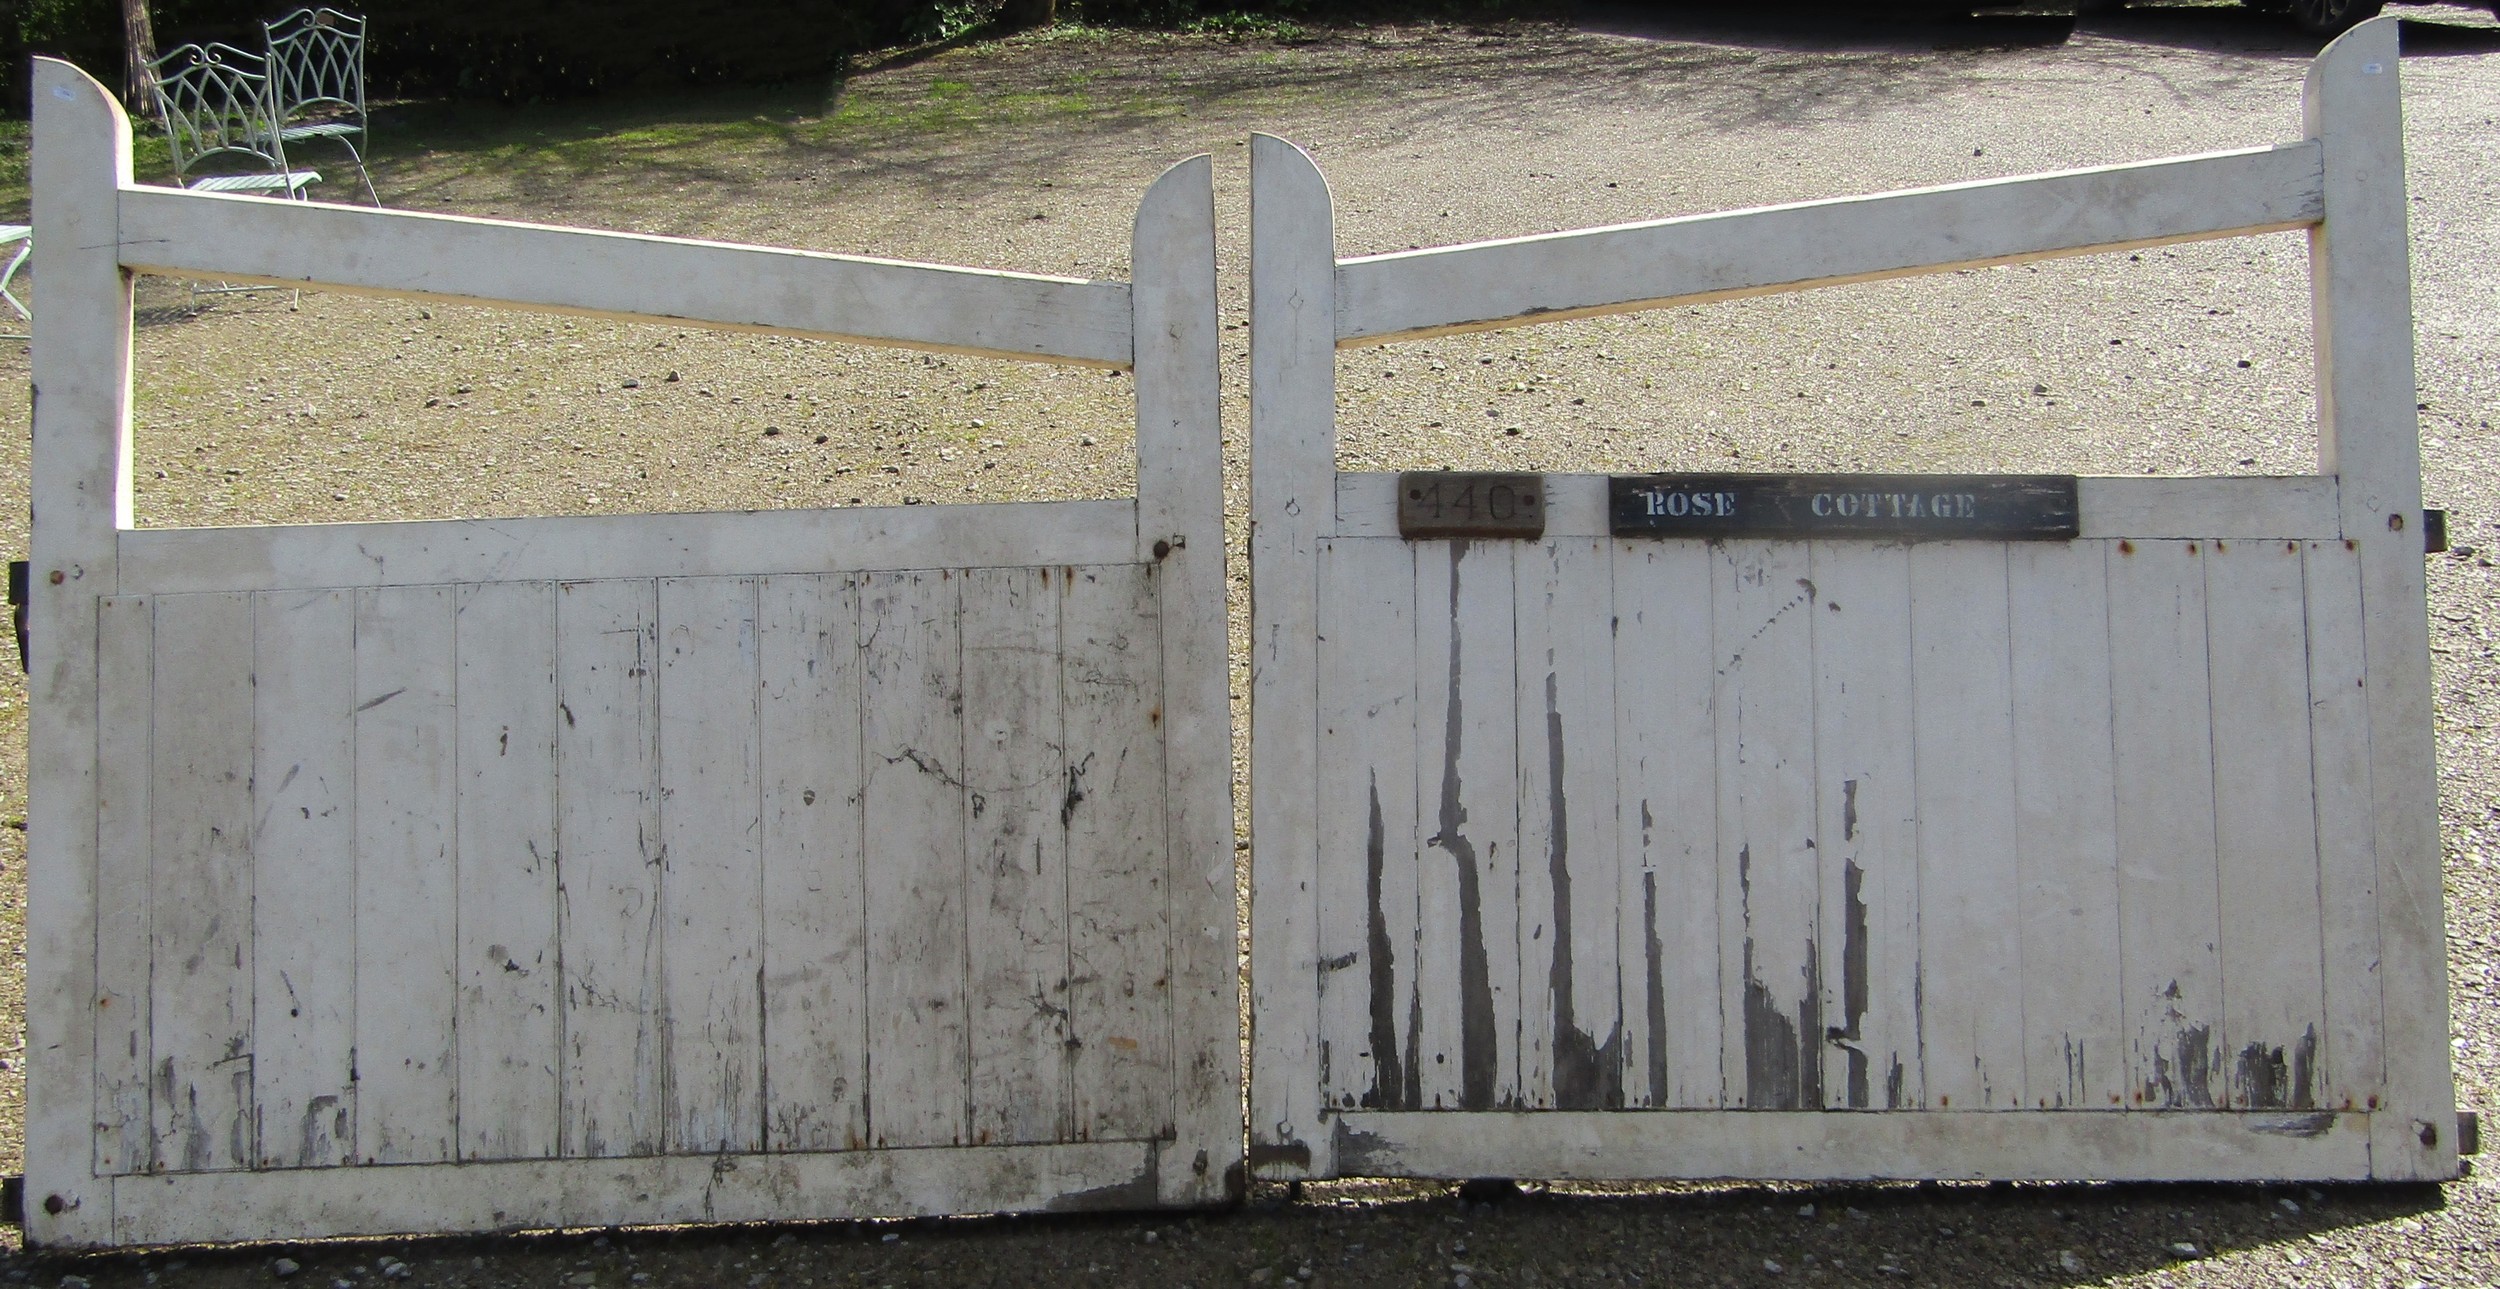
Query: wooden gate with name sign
{"points": [[1849, 826], [545, 872]]}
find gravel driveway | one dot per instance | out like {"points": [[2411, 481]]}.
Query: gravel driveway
{"points": [[1029, 155]]}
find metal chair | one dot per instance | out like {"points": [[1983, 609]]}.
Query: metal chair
{"points": [[23, 238], [220, 119], [317, 81]]}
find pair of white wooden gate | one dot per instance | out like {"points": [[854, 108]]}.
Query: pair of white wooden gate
{"points": [[544, 872], [576, 871], [1799, 853]]}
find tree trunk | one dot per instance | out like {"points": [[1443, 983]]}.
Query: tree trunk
{"points": [[138, 50], [1029, 13]]}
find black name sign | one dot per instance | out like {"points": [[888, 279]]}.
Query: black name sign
{"points": [[1902, 507]]}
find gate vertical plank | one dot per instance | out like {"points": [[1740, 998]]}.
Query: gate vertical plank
{"points": [[1180, 498], [712, 873], [2352, 1068], [1016, 900], [1970, 917], [1368, 988], [1866, 824], [1770, 885], [125, 666], [2265, 826], [1666, 739], [1466, 753], [1570, 1006], [912, 740], [510, 969], [815, 900], [201, 1016], [1293, 478], [2169, 920], [608, 813], [79, 478], [1119, 915], [407, 878], [304, 879], [2066, 826], [2370, 439]]}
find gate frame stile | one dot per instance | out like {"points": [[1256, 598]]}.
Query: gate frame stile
{"points": [[2343, 183], [83, 190]]}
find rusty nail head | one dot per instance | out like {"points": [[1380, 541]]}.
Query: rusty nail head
{"points": [[2429, 1134], [55, 1205], [2395, 523], [1162, 548], [56, 577]]}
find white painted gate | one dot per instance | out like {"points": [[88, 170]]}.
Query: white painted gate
{"points": [[547, 872], [1603, 857]]}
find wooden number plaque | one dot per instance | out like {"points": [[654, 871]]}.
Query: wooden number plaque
{"points": [[1451, 503]]}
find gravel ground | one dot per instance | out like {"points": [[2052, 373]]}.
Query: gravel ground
{"points": [[1029, 155]]}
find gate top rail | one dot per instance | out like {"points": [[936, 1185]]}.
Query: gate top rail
{"points": [[1483, 286], [628, 276]]}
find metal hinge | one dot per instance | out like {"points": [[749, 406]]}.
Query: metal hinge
{"points": [[13, 1200], [2434, 532], [2469, 1133], [20, 574]]}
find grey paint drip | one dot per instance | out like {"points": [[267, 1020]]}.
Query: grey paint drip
{"points": [[1657, 1014], [1783, 1065], [1853, 983], [2271, 1079], [2188, 1081], [1587, 1075], [1475, 985], [1388, 1081]]}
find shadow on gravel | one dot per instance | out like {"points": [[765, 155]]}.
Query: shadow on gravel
{"points": [[1391, 1233]]}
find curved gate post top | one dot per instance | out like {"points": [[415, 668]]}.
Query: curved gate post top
{"points": [[2369, 438]]}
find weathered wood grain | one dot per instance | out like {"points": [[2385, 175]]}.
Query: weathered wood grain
{"points": [[1293, 453], [2066, 827], [511, 1000], [2369, 438], [670, 1190], [407, 878], [1119, 910], [1369, 988], [2353, 1063], [1770, 883], [303, 848], [2042, 1145], [1180, 499], [2169, 920], [815, 1008], [1667, 817], [911, 686], [1570, 993], [711, 884], [2265, 826], [124, 883], [1866, 826], [80, 467], [1547, 278], [1970, 897], [615, 1070], [200, 1018], [582, 547], [628, 276], [1466, 740], [1016, 895]]}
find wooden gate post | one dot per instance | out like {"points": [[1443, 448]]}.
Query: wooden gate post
{"points": [[1180, 526], [1293, 479], [81, 493], [2361, 301]]}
